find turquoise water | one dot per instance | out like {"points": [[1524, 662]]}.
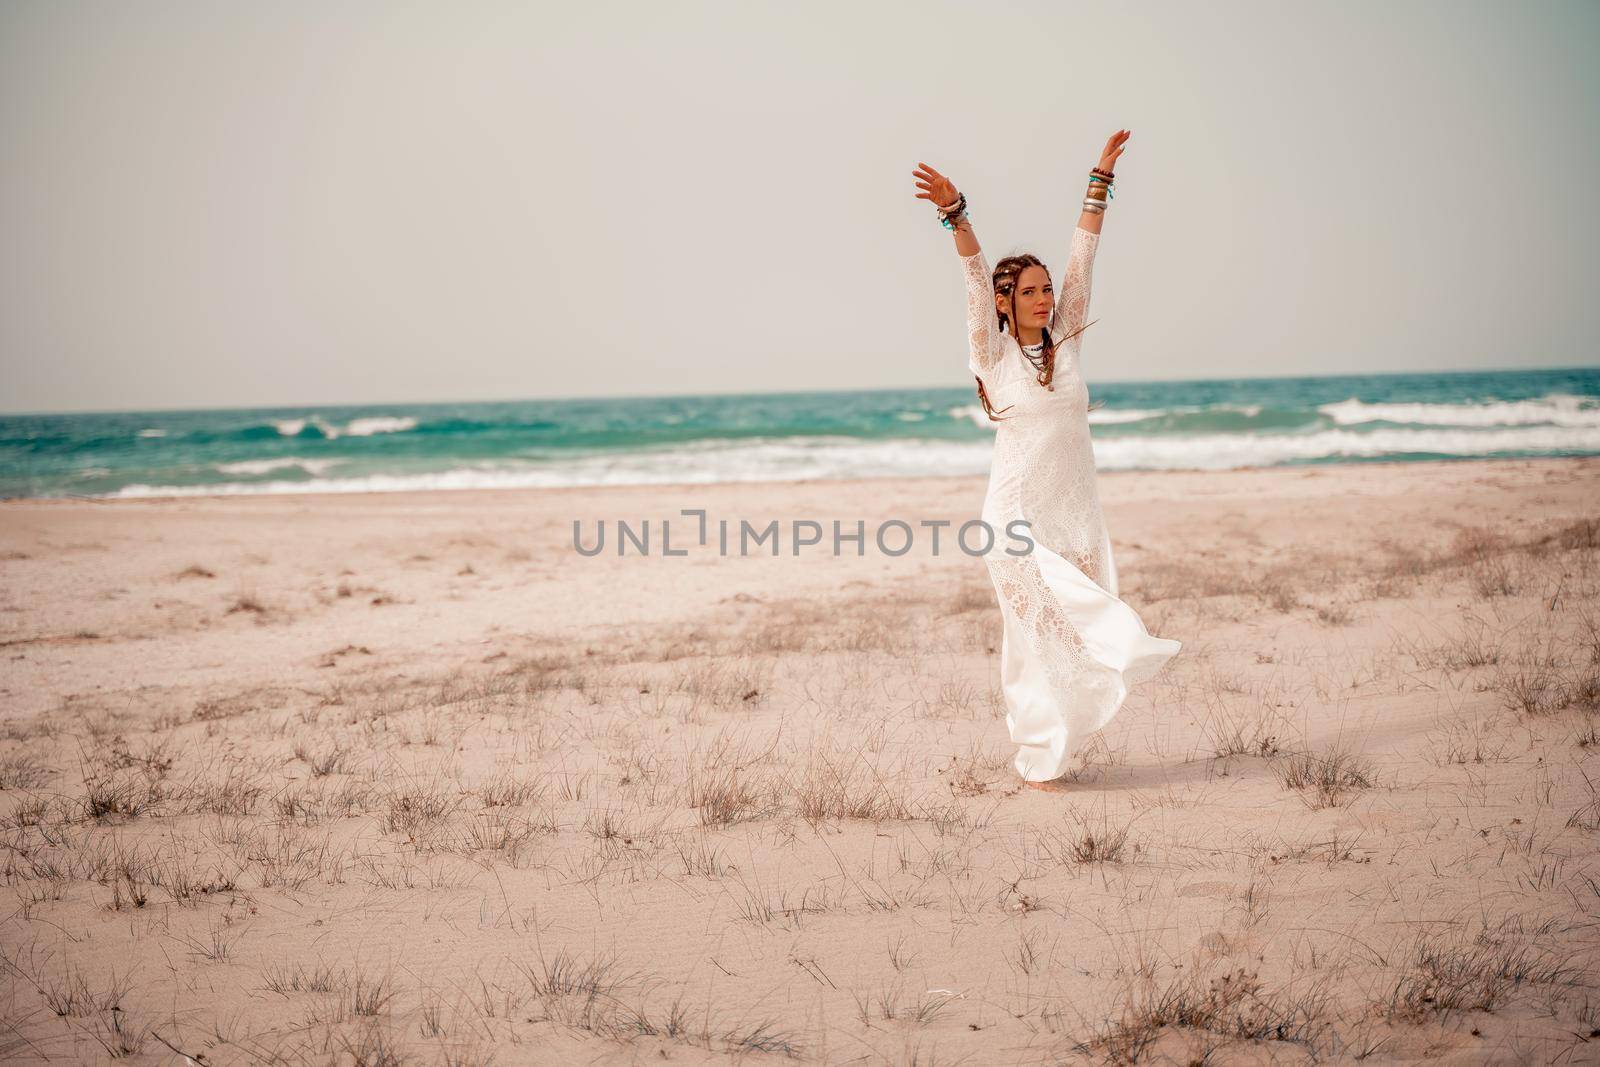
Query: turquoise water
{"points": [[1211, 424]]}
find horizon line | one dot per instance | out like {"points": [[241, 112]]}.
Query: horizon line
{"points": [[310, 406]]}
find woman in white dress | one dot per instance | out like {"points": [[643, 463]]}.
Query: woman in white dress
{"points": [[1070, 648]]}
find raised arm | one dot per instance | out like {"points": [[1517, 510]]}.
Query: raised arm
{"points": [[1072, 302], [987, 344]]}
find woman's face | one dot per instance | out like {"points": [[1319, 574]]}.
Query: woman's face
{"points": [[1033, 297]]}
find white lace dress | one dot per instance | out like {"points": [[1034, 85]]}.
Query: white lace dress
{"points": [[1071, 648]]}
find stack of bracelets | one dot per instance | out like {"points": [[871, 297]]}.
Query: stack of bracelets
{"points": [[1094, 199]]}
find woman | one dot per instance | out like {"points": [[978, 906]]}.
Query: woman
{"points": [[1071, 648]]}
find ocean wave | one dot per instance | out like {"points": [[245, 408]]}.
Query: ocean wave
{"points": [[806, 458], [1118, 416], [363, 427], [266, 466], [1554, 409], [1111, 416], [152, 432], [1228, 451], [379, 424], [973, 413], [700, 462]]}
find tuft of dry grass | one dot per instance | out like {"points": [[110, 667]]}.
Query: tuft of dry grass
{"points": [[1540, 681], [1474, 646], [1448, 973], [1588, 816], [723, 787], [1088, 839], [1337, 613], [509, 790], [18, 770], [1231, 730], [1278, 590], [413, 810], [334, 759], [841, 784], [249, 602], [1324, 777], [1232, 1005], [300, 977], [119, 796]]}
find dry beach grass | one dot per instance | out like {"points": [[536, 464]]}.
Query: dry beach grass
{"points": [[399, 779]]}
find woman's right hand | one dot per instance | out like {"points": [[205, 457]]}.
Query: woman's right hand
{"points": [[936, 187]]}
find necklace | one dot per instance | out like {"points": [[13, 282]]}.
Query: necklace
{"points": [[1034, 354]]}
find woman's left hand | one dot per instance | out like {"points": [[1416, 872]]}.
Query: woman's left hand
{"points": [[1108, 158]]}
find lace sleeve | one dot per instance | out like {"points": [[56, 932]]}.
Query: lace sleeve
{"points": [[1072, 306], [983, 324]]}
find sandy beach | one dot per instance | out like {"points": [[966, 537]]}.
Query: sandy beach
{"points": [[405, 778]]}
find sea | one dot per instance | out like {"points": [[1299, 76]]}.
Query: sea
{"points": [[1211, 424]]}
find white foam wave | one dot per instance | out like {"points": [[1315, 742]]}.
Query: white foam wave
{"points": [[152, 432], [1555, 409], [1116, 415], [972, 412], [265, 466], [759, 460], [785, 459], [1112, 416], [1227, 451], [380, 424], [1107, 416], [354, 428]]}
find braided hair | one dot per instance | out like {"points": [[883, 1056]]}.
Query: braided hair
{"points": [[1006, 273]]}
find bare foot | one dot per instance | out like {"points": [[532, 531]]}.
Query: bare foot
{"points": [[1055, 785]]}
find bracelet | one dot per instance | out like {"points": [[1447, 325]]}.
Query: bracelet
{"points": [[949, 213]]}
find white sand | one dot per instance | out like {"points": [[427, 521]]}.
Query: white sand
{"points": [[537, 800]]}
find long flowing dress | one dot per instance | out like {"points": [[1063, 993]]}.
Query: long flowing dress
{"points": [[1070, 648]]}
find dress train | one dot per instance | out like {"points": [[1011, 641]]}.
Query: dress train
{"points": [[1049, 722]]}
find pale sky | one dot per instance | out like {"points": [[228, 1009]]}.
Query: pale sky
{"points": [[228, 205]]}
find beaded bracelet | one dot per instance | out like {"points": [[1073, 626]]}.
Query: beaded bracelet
{"points": [[952, 211]]}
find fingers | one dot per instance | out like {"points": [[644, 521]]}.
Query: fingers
{"points": [[927, 180]]}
